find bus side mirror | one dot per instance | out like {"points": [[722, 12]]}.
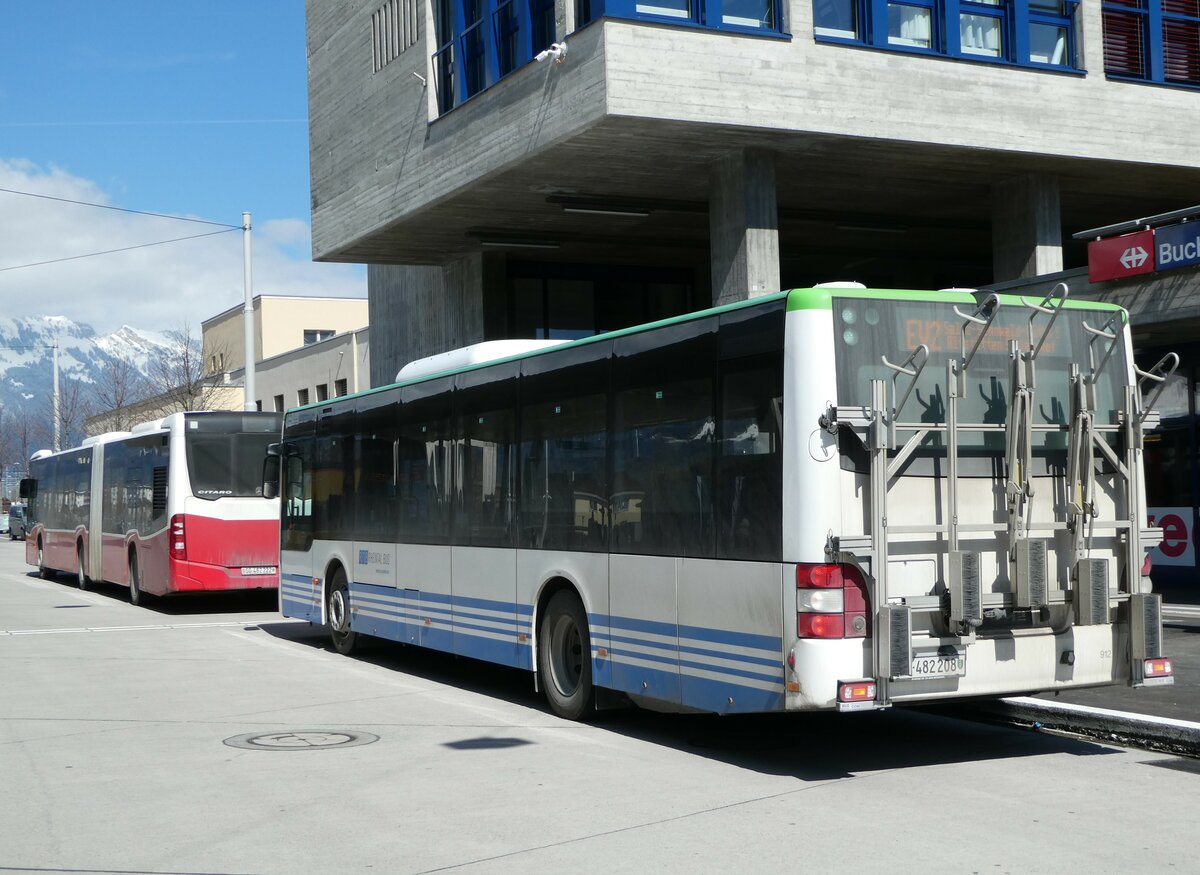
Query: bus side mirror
{"points": [[28, 487], [270, 476]]}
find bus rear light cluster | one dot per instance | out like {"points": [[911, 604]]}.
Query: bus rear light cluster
{"points": [[831, 601], [178, 543], [1157, 667], [856, 691]]}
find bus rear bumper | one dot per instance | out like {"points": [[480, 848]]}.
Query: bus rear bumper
{"points": [[199, 577], [1083, 656]]}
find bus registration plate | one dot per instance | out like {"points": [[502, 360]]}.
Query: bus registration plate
{"points": [[934, 665], [251, 570]]}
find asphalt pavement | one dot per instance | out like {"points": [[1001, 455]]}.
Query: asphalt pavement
{"points": [[1163, 717]]}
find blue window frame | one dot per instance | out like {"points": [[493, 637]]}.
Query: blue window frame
{"points": [[480, 42], [1030, 33], [1153, 41], [742, 16], [541, 16]]}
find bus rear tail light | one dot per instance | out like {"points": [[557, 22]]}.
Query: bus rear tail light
{"points": [[178, 543], [831, 601], [1157, 667], [856, 691]]}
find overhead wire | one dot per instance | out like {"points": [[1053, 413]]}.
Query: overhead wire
{"points": [[118, 209], [122, 249]]}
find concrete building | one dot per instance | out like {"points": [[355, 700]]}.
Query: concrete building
{"points": [[281, 323], [330, 368], [683, 154], [559, 167]]}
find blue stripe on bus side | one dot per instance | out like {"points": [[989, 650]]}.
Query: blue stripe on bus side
{"points": [[737, 639], [770, 662], [674, 681]]}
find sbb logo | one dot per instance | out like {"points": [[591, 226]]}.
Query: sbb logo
{"points": [[1176, 547]]}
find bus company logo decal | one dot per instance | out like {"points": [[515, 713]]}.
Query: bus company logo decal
{"points": [[370, 557]]}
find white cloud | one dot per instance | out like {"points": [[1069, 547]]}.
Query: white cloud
{"points": [[155, 288]]}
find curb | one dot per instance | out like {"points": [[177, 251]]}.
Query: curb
{"points": [[1141, 730]]}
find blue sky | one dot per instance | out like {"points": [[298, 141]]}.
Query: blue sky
{"points": [[188, 108]]}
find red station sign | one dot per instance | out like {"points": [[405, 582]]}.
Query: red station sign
{"points": [[1118, 257]]}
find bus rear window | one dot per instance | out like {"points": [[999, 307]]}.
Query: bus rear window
{"points": [[222, 465], [867, 328]]}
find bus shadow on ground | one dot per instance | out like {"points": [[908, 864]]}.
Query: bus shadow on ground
{"points": [[182, 604], [820, 746]]}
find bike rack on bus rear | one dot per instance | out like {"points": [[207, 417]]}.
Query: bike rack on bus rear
{"points": [[963, 602]]}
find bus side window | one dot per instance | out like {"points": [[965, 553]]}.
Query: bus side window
{"points": [[297, 531], [664, 435], [749, 462]]}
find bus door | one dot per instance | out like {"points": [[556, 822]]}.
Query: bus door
{"points": [[299, 595], [424, 488], [378, 607], [484, 558]]}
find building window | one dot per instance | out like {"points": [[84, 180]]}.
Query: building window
{"points": [[322, 391], [567, 302], [1031, 33], [279, 404], [258, 405], [1153, 40], [301, 397], [339, 388], [479, 42], [316, 335]]}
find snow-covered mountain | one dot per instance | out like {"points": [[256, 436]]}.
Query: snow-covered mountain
{"points": [[26, 356]]}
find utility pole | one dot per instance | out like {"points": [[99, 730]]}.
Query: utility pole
{"points": [[248, 313], [57, 423]]}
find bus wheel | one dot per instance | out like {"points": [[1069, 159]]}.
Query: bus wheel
{"points": [[81, 576], [565, 656], [135, 583], [43, 572], [337, 609]]}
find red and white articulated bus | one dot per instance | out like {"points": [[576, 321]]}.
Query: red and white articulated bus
{"points": [[173, 505]]}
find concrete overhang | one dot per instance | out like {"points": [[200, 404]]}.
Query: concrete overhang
{"points": [[610, 130]]}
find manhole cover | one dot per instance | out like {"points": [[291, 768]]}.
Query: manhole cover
{"points": [[304, 739]]}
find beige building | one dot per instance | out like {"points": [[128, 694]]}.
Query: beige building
{"points": [[337, 366], [281, 323]]}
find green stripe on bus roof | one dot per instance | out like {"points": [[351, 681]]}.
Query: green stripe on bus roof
{"points": [[822, 298], [797, 299], [583, 341]]}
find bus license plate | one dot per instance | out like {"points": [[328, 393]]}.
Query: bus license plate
{"points": [[258, 569], [935, 666]]}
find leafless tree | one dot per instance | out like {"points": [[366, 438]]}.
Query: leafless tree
{"points": [[74, 407], [119, 386], [176, 375], [24, 434]]}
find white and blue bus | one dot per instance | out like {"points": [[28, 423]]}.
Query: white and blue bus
{"points": [[826, 498]]}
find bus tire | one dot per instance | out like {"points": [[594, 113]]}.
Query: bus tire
{"points": [[565, 656], [44, 572], [135, 581], [337, 610], [80, 576]]}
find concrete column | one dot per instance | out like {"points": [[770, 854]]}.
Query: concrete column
{"points": [[743, 227], [417, 311], [1026, 227]]}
